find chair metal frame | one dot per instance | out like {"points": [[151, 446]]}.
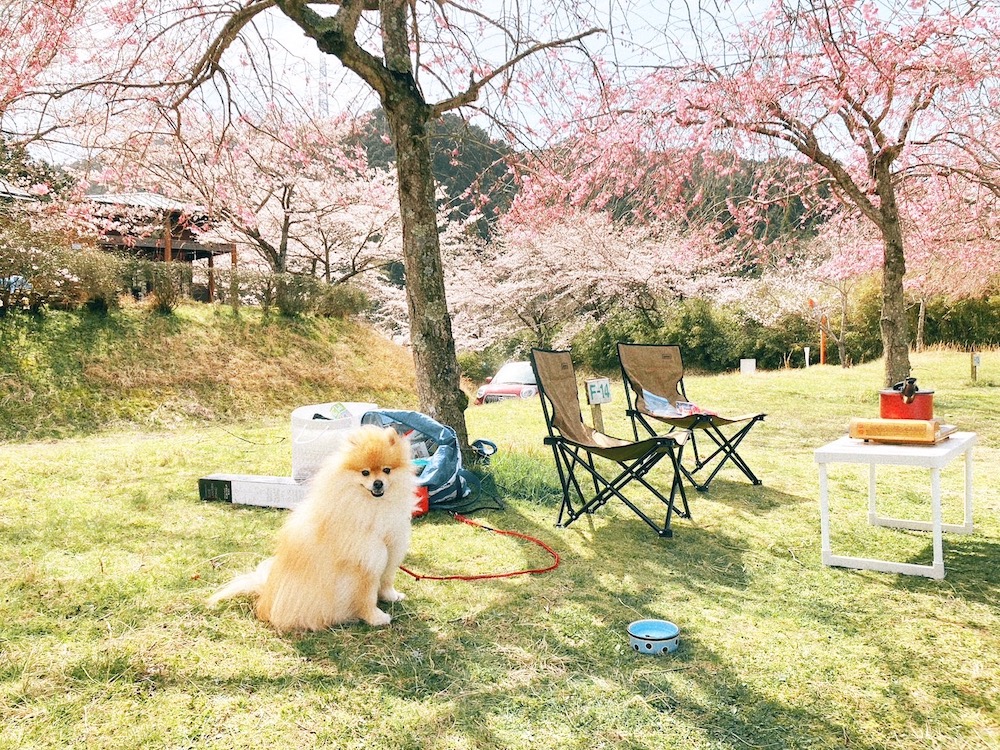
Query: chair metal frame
{"points": [[633, 459], [725, 446]]}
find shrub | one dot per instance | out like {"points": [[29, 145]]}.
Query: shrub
{"points": [[774, 346], [258, 287], [964, 322], [101, 278], [165, 280], [864, 337], [596, 346], [708, 336], [229, 287], [475, 366], [714, 339], [339, 300], [298, 294], [294, 293], [37, 259]]}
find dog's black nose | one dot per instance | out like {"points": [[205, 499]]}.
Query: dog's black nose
{"points": [[378, 487]]}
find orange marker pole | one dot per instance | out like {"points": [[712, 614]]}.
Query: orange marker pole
{"points": [[822, 340]]}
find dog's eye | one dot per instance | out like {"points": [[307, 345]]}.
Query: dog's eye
{"points": [[365, 472], [386, 470]]}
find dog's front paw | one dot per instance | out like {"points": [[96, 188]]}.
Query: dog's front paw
{"points": [[377, 618], [391, 595]]}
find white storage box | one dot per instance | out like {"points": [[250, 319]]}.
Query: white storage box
{"points": [[317, 430], [248, 489]]}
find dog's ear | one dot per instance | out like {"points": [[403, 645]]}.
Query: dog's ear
{"points": [[393, 436]]}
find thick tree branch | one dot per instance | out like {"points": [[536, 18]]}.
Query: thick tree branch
{"points": [[335, 35]]}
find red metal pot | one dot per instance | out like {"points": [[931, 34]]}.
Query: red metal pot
{"points": [[905, 401]]}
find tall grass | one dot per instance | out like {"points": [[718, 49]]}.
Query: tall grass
{"points": [[68, 373], [108, 556]]}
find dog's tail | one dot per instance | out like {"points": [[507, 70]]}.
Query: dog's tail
{"points": [[248, 584]]}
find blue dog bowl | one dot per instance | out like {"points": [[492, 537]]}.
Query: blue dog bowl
{"points": [[653, 636]]}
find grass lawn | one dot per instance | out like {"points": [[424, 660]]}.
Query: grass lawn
{"points": [[107, 556]]}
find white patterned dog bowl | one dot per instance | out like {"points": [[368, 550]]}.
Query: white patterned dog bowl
{"points": [[653, 636]]}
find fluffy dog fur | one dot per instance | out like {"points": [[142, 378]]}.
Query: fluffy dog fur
{"points": [[338, 552]]}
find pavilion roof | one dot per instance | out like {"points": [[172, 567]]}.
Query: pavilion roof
{"points": [[145, 199]]}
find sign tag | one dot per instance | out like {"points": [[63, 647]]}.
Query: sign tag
{"points": [[598, 391]]}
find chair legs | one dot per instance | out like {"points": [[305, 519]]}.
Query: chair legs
{"points": [[569, 458], [725, 449]]}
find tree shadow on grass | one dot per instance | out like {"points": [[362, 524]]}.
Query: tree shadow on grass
{"points": [[551, 652], [403, 702], [683, 701], [547, 656], [695, 559], [742, 494], [735, 493], [971, 566]]}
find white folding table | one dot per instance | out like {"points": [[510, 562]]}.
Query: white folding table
{"points": [[934, 457]]}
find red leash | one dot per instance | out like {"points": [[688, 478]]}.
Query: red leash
{"points": [[481, 576]]}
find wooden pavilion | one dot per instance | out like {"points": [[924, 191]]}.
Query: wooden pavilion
{"points": [[160, 228]]}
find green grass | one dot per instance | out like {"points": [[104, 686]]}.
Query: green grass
{"points": [[69, 373], [107, 556]]}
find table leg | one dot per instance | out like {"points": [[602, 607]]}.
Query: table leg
{"points": [[901, 523], [938, 566], [968, 491], [824, 514], [872, 512]]}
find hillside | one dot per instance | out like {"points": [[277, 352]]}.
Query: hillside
{"points": [[73, 373]]}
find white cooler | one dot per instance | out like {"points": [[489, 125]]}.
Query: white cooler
{"points": [[317, 430]]}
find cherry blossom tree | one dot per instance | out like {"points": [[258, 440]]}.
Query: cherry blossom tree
{"points": [[394, 77], [952, 252], [544, 278], [297, 194], [420, 59], [34, 34], [867, 95]]}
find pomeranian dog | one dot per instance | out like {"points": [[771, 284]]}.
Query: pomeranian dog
{"points": [[338, 552]]}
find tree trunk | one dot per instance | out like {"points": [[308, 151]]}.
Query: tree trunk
{"points": [[408, 114], [895, 337], [842, 339], [921, 318], [438, 388]]}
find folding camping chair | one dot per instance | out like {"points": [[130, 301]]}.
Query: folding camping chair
{"points": [[575, 444], [654, 390]]}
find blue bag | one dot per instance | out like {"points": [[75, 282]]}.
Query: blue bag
{"points": [[449, 486]]}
